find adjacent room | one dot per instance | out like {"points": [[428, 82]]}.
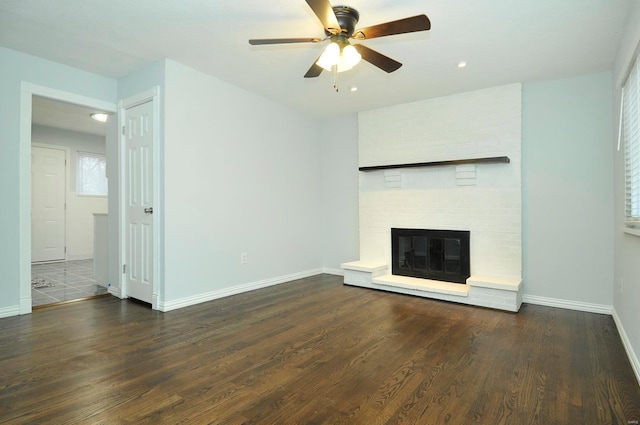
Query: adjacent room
{"points": [[304, 212], [69, 203]]}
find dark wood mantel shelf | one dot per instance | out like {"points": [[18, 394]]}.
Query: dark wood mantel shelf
{"points": [[488, 160]]}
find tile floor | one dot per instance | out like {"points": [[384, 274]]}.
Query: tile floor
{"points": [[71, 280]]}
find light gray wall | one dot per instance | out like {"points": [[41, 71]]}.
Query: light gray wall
{"points": [[627, 247], [242, 175], [339, 196], [16, 68], [567, 189]]}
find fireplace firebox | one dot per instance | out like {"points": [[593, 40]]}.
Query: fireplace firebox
{"points": [[431, 254]]}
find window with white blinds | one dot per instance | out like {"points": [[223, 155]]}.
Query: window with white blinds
{"points": [[631, 137], [91, 174]]}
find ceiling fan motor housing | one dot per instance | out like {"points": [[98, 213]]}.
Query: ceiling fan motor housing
{"points": [[347, 18]]}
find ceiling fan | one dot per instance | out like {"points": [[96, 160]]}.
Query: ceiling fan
{"points": [[339, 26]]}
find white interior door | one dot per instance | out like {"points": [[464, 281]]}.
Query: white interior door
{"points": [[139, 201], [48, 185]]}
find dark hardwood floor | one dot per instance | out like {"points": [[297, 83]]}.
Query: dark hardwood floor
{"points": [[313, 352]]}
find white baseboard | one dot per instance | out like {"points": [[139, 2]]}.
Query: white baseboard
{"points": [[633, 358], [335, 272], [226, 292], [568, 304], [26, 305], [115, 291], [14, 310], [77, 257]]}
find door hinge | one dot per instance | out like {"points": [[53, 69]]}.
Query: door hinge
{"points": [[65, 249], [124, 269], [123, 130]]}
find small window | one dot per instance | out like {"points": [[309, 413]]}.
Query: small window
{"points": [[91, 174], [631, 132]]}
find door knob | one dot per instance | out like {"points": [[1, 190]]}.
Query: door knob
{"points": [[148, 210]]}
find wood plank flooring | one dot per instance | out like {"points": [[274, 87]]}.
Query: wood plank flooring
{"points": [[313, 351]]}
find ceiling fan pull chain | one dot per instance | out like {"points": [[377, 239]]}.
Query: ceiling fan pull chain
{"points": [[335, 78]]}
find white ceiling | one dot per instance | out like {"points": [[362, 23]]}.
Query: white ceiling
{"points": [[56, 114], [503, 41]]}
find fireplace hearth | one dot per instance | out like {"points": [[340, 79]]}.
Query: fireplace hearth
{"points": [[431, 254]]}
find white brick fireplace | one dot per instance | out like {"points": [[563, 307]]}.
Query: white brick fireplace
{"points": [[483, 198]]}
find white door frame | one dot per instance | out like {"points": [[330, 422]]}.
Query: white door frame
{"points": [[151, 95], [67, 176], [28, 90]]}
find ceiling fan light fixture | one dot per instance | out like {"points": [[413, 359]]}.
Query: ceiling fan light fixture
{"points": [[99, 116], [330, 56], [349, 57], [342, 55], [339, 24]]}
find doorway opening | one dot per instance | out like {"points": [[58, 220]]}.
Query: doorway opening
{"points": [[69, 193]]}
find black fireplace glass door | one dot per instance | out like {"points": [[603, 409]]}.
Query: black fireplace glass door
{"points": [[452, 263], [405, 253], [431, 254], [419, 253], [436, 255], [412, 254]]}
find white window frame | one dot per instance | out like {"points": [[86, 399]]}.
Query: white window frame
{"points": [[631, 138], [80, 175]]}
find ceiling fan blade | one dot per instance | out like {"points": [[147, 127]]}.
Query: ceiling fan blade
{"points": [[383, 62], [260, 41], [324, 12], [401, 26], [314, 71]]}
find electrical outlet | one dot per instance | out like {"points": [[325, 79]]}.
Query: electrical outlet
{"points": [[243, 258]]}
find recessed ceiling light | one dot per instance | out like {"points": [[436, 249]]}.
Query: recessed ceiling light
{"points": [[353, 88], [462, 64], [100, 116]]}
